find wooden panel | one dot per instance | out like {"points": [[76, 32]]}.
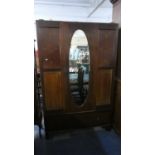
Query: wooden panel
{"points": [[48, 43], [103, 86], [107, 48], [49, 24], [108, 26], [118, 65], [54, 98], [68, 30], [117, 107]]}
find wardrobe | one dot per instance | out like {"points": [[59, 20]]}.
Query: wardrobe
{"points": [[54, 44]]}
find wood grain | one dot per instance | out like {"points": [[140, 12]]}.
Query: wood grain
{"points": [[49, 48], [103, 87], [53, 90], [107, 53]]}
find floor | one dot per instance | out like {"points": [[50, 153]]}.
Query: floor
{"points": [[92, 141]]}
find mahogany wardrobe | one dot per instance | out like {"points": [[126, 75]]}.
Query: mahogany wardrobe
{"points": [[54, 45]]}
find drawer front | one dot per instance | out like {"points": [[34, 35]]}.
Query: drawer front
{"points": [[73, 121]]}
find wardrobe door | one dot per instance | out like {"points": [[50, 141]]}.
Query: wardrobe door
{"points": [[48, 34], [106, 58], [69, 30]]}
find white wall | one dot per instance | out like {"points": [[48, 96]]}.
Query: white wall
{"points": [[73, 11]]}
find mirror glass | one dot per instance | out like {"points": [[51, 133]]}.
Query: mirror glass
{"points": [[79, 67]]}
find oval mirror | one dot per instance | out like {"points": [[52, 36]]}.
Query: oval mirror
{"points": [[79, 67]]}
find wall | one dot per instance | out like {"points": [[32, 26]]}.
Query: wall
{"points": [[79, 11], [117, 12]]}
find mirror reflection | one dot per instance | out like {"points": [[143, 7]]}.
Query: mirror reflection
{"points": [[79, 67]]}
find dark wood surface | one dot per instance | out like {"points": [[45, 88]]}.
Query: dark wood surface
{"points": [[63, 121], [117, 107], [117, 95], [49, 46], [54, 40], [103, 87], [118, 65], [53, 94]]}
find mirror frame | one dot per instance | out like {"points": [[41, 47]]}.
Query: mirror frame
{"points": [[82, 103]]}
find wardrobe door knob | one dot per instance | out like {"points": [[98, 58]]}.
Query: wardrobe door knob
{"points": [[45, 59]]}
